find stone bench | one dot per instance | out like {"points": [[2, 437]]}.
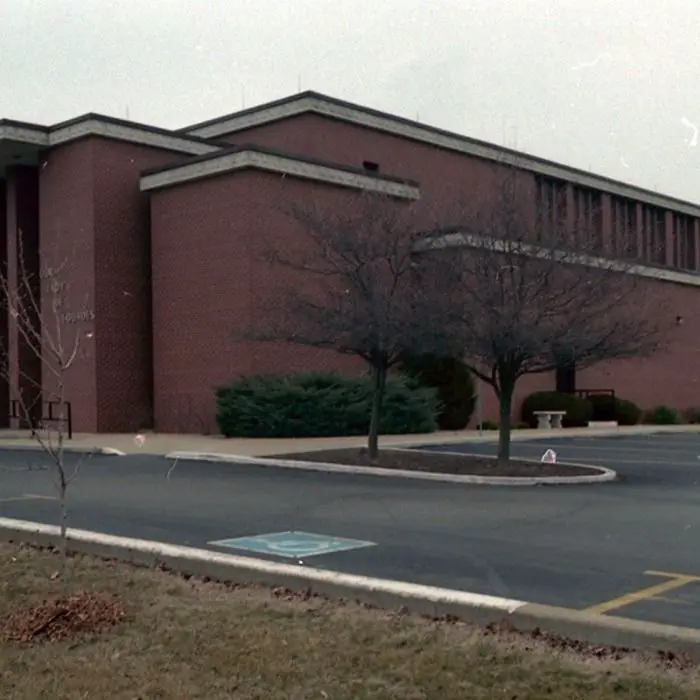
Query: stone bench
{"points": [[546, 420]]}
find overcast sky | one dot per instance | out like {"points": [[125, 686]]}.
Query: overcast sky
{"points": [[607, 85]]}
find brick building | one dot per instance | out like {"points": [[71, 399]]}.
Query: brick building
{"points": [[162, 227]]}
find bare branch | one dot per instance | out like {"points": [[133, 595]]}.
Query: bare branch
{"points": [[38, 304], [535, 287], [351, 283]]}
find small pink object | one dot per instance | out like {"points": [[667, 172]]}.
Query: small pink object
{"points": [[139, 440], [549, 457]]}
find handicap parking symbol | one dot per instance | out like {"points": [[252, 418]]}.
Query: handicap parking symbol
{"points": [[293, 544]]}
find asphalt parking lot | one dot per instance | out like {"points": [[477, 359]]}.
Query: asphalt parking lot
{"points": [[628, 548]]}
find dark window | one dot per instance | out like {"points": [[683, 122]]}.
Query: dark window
{"points": [[660, 236], [624, 227], [551, 206], [588, 217], [684, 242], [370, 166], [653, 235]]}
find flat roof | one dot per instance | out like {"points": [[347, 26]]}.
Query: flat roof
{"points": [[331, 107], [39, 136], [237, 158]]}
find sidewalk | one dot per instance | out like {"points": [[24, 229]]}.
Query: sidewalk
{"points": [[160, 444]]}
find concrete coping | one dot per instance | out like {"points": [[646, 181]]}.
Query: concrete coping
{"points": [[599, 475]]}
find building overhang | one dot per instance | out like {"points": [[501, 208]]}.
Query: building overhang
{"points": [[21, 143], [255, 158], [315, 103], [121, 130], [456, 238]]}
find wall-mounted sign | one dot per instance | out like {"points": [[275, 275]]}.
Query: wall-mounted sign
{"points": [[78, 316]]}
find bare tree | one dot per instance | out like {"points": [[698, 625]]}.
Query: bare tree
{"points": [[41, 316], [354, 288], [536, 287]]}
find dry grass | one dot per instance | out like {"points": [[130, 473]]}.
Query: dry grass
{"points": [[184, 639]]}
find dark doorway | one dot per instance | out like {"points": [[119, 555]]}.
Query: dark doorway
{"points": [[566, 378]]}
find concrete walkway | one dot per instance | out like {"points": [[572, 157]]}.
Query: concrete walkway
{"points": [[160, 444]]}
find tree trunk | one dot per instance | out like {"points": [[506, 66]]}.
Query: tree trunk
{"points": [[63, 545], [378, 384], [505, 400], [63, 486]]}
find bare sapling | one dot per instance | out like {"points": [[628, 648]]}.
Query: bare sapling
{"points": [[40, 316]]}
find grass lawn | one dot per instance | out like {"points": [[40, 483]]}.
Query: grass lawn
{"points": [[186, 639]]}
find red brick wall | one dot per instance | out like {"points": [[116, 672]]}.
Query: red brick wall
{"points": [[447, 177], [93, 216], [209, 285], [66, 222], [123, 288], [206, 276], [672, 376]]}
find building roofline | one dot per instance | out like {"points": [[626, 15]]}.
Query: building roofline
{"points": [[253, 157], [92, 124], [107, 127], [324, 105], [24, 132], [117, 121], [22, 125], [265, 106], [283, 154]]}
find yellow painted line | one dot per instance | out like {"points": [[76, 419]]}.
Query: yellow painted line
{"points": [[676, 581], [667, 574]]}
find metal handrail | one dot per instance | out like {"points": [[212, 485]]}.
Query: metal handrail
{"points": [[17, 414]]}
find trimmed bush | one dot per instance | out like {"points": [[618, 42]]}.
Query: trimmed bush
{"points": [[627, 412], [454, 385], [692, 415], [321, 405], [622, 411], [663, 415], [578, 411], [602, 407]]}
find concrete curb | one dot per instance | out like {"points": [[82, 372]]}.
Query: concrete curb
{"points": [[604, 475], [426, 600], [95, 450], [113, 451]]}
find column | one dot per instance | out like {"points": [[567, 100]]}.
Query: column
{"points": [[23, 277], [4, 335]]}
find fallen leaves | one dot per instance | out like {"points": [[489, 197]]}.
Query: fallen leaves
{"points": [[58, 619], [601, 652]]}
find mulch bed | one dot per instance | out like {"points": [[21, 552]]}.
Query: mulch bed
{"points": [[438, 463], [58, 619]]}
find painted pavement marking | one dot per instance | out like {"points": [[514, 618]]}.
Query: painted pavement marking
{"points": [[27, 497], [674, 582], [293, 544]]}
